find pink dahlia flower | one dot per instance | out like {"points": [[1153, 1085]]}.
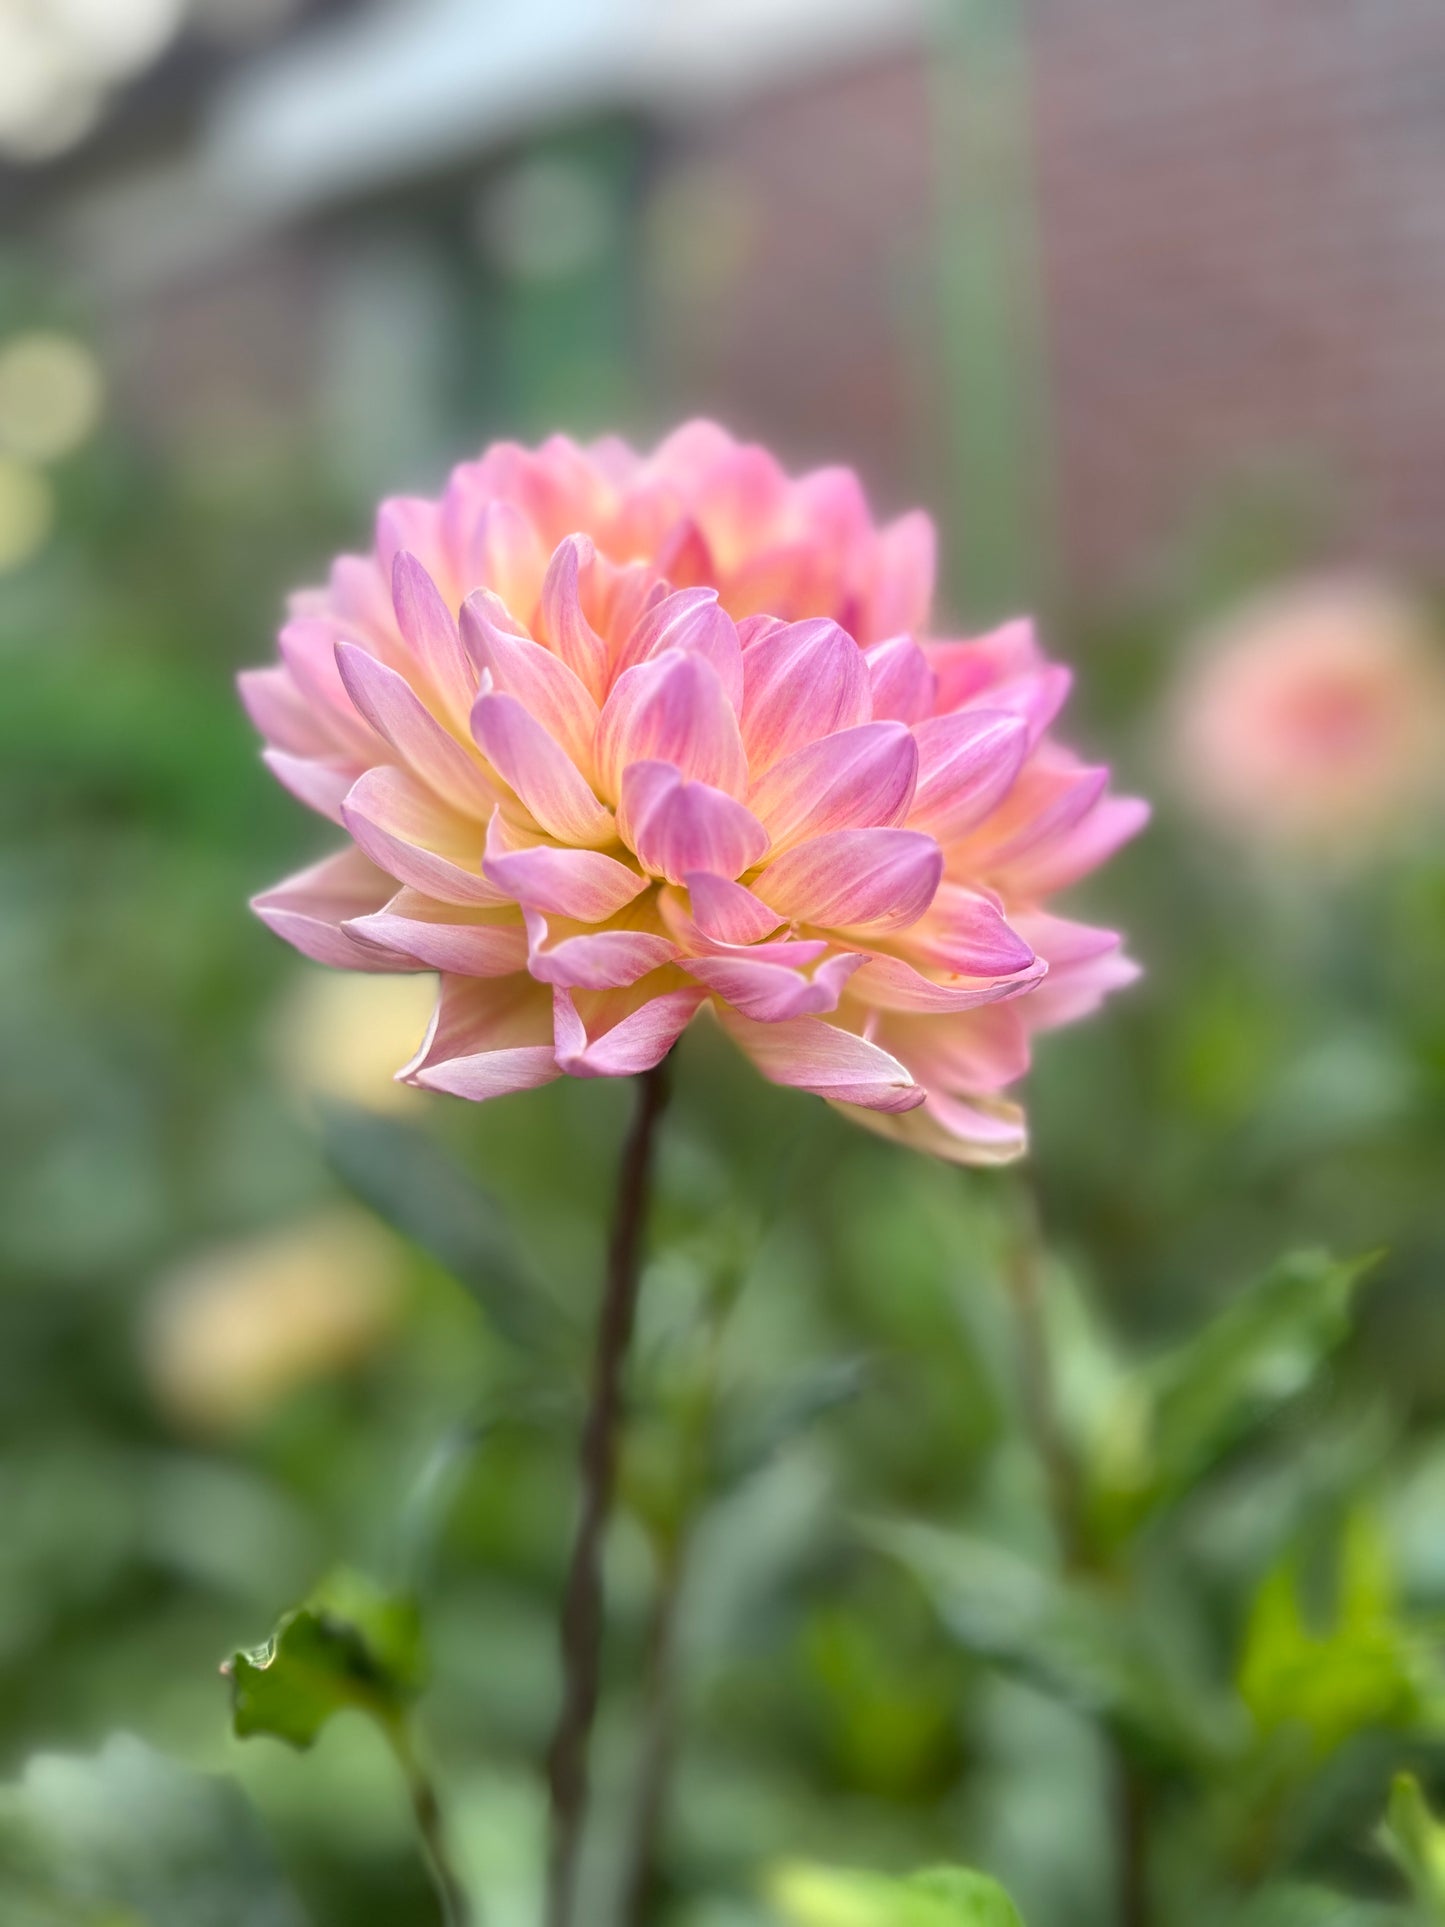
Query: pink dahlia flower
{"points": [[1312, 718], [617, 738]]}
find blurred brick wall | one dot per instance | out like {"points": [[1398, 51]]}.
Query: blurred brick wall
{"points": [[1242, 242], [1244, 246]]}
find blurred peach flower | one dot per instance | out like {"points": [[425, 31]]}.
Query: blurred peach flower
{"points": [[620, 737], [233, 1330], [1313, 717]]}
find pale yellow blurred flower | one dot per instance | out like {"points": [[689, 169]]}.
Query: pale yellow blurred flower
{"points": [[27, 511], [347, 1036], [51, 393], [1312, 718], [234, 1329]]}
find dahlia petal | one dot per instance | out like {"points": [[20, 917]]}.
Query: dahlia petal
{"points": [[1072, 991], [567, 629], [972, 1054], [311, 912], [280, 713], [672, 709], [902, 684], [598, 1046], [788, 575], [985, 1131], [1054, 866], [966, 764], [320, 786], [965, 933], [412, 524], [593, 960], [810, 1054], [307, 647], [891, 983], [488, 1038], [685, 557], [430, 631], [691, 622], [406, 832], [397, 713], [1052, 793], [446, 936], [540, 680], [771, 993], [801, 680], [728, 912], [902, 588], [540, 771], [880, 878], [861, 778], [583, 884], [676, 827], [970, 669], [493, 546]]}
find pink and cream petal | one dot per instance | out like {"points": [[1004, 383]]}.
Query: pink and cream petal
{"points": [[448, 936], [406, 832], [811, 1054], [312, 910], [398, 715], [860, 778], [671, 709], [801, 680], [488, 1038], [878, 879], [619, 1033], [967, 763], [676, 827], [583, 884], [539, 680], [540, 772], [771, 993], [581, 959]]}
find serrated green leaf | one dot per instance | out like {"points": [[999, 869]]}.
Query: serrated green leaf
{"points": [[1179, 1417], [127, 1838], [419, 1189], [812, 1896], [1063, 1637], [1415, 1840], [351, 1645]]}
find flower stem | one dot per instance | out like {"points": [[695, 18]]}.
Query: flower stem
{"points": [[582, 1602], [456, 1909], [658, 1736]]}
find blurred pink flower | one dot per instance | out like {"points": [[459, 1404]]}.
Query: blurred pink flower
{"points": [[1313, 717], [617, 737]]}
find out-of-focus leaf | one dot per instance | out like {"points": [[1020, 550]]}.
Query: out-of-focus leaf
{"points": [[1292, 1905], [1176, 1419], [127, 1838], [809, 1896], [752, 1435], [417, 1188], [1415, 1840], [350, 1645], [1368, 1667], [1082, 1647]]}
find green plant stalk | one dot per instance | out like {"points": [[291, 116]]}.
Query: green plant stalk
{"points": [[456, 1908]]}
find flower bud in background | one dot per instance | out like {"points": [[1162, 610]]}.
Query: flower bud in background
{"points": [[1312, 718], [620, 738], [233, 1330]]}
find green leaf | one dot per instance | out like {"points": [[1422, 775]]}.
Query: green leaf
{"points": [[810, 1896], [127, 1838], [1179, 1417], [1366, 1668], [419, 1189], [350, 1645], [752, 1436], [1415, 1840], [1078, 1645]]}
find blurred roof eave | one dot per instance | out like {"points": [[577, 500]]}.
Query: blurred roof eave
{"points": [[378, 96]]}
